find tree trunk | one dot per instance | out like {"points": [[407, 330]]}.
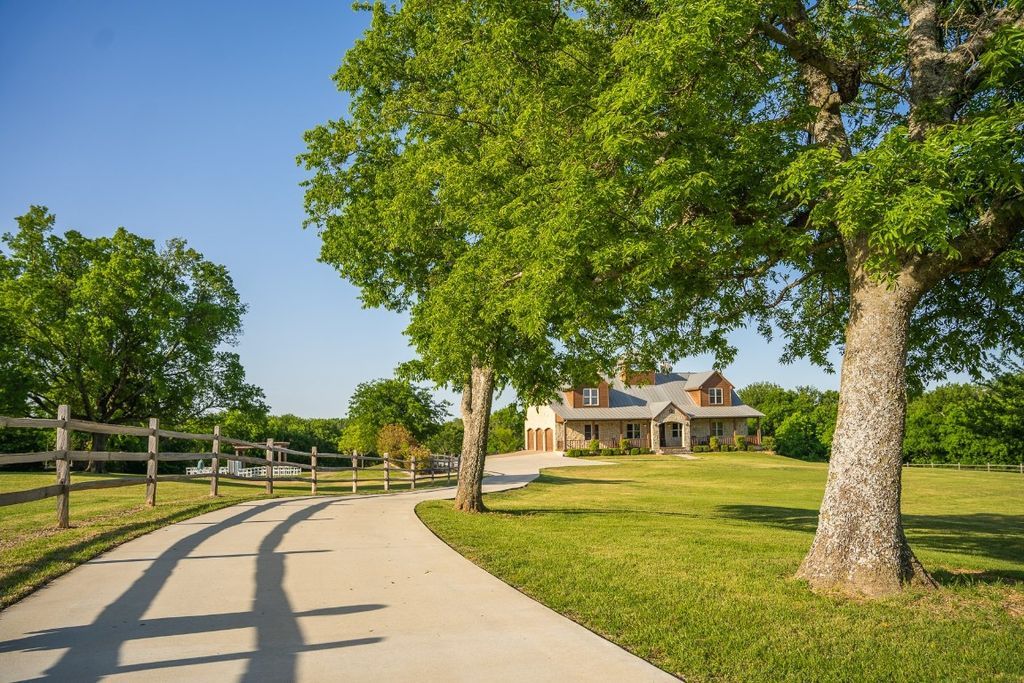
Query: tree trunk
{"points": [[99, 443], [860, 548], [476, 415]]}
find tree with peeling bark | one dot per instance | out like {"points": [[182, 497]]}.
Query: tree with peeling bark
{"points": [[413, 185]]}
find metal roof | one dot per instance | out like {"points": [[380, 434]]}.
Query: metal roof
{"points": [[646, 401]]}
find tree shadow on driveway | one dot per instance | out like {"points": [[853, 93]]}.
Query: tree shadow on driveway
{"points": [[92, 652]]}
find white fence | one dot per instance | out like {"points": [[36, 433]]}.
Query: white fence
{"points": [[987, 467]]}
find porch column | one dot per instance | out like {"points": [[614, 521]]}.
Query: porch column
{"points": [[655, 445], [758, 431]]}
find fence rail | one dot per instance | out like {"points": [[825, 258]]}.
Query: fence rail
{"points": [[268, 469], [986, 467]]}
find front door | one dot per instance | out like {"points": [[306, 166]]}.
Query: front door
{"points": [[661, 435]]}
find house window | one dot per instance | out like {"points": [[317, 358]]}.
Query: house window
{"points": [[633, 430], [591, 397], [716, 396], [718, 428], [590, 432], [675, 430]]}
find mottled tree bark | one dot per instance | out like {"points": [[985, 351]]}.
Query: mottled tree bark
{"points": [[476, 415], [860, 548]]}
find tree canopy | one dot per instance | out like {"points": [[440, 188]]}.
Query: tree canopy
{"points": [[554, 186], [390, 402], [117, 328]]}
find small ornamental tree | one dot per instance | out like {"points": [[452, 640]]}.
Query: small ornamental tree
{"points": [[394, 440]]}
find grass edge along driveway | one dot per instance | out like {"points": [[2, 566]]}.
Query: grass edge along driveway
{"points": [[689, 564]]}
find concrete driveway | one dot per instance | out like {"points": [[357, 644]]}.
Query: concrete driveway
{"points": [[303, 589]]}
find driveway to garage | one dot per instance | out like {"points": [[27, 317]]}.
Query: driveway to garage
{"points": [[304, 589]]}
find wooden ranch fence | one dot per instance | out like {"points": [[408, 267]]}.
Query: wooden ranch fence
{"points": [[269, 469], [987, 467]]}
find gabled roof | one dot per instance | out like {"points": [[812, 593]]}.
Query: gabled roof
{"points": [[646, 401], [695, 380]]}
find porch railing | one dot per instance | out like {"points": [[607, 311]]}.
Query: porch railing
{"points": [[583, 444], [752, 439]]}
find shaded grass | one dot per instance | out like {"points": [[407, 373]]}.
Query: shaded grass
{"points": [[689, 564], [34, 551]]}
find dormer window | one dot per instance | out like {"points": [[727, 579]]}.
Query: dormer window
{"points": [[716, 396], [591, 397]]}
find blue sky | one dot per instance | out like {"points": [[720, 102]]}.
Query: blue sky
{"points": [[183, 119]]}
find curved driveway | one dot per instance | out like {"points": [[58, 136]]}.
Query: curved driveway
{"points": [[303, 589]]}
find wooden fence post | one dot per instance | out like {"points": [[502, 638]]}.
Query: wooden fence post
{"points": [[63, 467], [215, 470], [151, 462], [312, 461], [387, 473], [413, 486], [355, 471], [270, 467]]}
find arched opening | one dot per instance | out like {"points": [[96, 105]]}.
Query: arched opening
{"points": [[549, 440]]}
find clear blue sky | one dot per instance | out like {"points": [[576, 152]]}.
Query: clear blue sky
{"points": [[183, 119]]}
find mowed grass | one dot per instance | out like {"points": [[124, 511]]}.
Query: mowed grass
{"points": [[34, 551], [689, 564]]}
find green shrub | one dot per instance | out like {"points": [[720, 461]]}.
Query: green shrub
{"points": [[634, 451], [623, 445], [608, 451], [797, 437], [741, 442], [595, 445], [768, 443], [713, 444]]}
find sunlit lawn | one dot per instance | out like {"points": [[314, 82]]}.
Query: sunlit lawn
{"points": [[33, 551], [689, 564]]}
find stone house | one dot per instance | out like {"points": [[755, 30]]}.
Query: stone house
{"points": [[666, 412]]}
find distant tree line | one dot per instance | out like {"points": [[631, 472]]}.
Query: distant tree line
{"points": [[965, 423]]}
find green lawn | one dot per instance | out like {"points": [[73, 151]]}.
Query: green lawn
{"points": [[33, 550], [689, 564]]}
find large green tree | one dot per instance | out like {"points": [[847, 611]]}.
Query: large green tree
{"points": [[117, 328], [840, 174], [645, 177], [390, 401], [418, 176]]}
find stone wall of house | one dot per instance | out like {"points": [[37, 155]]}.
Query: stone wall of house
{"points": [[701, 427], [610, 431]]}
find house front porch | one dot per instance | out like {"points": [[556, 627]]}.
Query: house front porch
{"points": [[674, 433]]}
